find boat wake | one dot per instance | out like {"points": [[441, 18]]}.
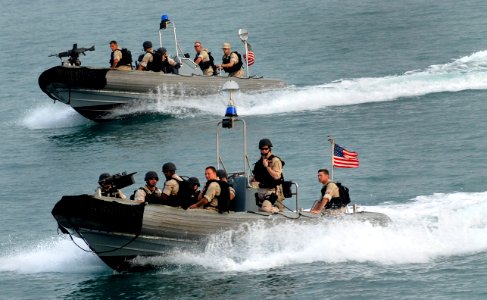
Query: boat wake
{"points": [[427, 228], [465, 73]]}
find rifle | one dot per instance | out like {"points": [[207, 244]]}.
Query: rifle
{"points": [[73, 54]]}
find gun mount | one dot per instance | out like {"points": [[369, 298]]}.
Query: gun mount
{"points": [[73, 55]]}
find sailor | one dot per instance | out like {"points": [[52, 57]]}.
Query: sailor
{"points": [[163, 63], [222, 176], [118, 60], [106, 188], [268, 177], [203, 59], [149, 193], [195, 185], [215, 195], [231, 62], [147, 58], [330, 195], [171, 186]]}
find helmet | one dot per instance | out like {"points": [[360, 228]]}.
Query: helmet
{"points": [[161, 50], [265, 142], [168, 167], [151, 174], [221, 173], [147, 44], [103, 177], [194, 181]]}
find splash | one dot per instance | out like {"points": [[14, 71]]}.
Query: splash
{"points": [[429, 227], [52, 116], [53, 255]]}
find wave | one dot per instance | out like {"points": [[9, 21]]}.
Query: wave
{"points": [[57, 254], [465, 73], [430, 227], [52, 116], [427, 228]]}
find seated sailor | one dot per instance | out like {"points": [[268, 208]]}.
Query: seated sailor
{"points": [[149, 193], [330, 194], [106, 188], [216, 193], [171, 186]]}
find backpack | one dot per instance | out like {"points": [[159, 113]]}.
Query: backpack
{"points": [[212, 64], [185, 193], [126, 57], [344, 194]]}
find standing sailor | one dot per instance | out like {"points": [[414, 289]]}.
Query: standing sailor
{"points": [[231, 62], [268, 174]]}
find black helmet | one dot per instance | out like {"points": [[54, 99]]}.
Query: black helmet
{"points": [[168, 167], [147, 44], [194, 181], [151, 174], [103, 177], [265, 142], [161, 50], [221, 173]]}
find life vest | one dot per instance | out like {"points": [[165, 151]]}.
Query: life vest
{"points": [[125, 60], [262, 175], [157, 65], [236, 67], [335, 202], [184, 197], [150, 196], [223, 198], [204, 65]]}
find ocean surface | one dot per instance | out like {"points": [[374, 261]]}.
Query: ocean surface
{"points": [[403, 83]]}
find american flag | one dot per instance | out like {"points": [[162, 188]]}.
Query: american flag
{"points": [[250, 55], [342, 158]]}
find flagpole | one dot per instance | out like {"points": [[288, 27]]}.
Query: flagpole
{"points": [[332, 141], [247, 57], [244, 35]]}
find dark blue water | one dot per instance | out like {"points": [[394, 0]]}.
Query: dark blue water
{"points": [[402, 83]]}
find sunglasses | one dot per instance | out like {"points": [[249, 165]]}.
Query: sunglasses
{"points": [[266, 148]]}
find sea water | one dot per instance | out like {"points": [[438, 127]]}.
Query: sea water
{"points": [[403, 83]]}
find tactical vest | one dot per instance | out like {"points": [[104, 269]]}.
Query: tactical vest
{"points": [[335, 202], [151, 196], [204, 65], [236, 67], [263, 177], [125, 60], [223, 198]]}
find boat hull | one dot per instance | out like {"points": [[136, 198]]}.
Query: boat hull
{"points": [[120, 230], [96, 92]]}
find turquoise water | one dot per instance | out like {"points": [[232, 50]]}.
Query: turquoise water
{"points": [[402, 83]]}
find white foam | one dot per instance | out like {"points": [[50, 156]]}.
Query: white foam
{"points": [[58, 254], [429, 227], [52, 116]]}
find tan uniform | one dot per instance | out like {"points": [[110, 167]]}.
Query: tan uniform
{"points": [[276, 166], [148, 57], [117, 56], [239, 73], [205, 57], [171, 186], [212, 194], [331, 191], [140, 194]]}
